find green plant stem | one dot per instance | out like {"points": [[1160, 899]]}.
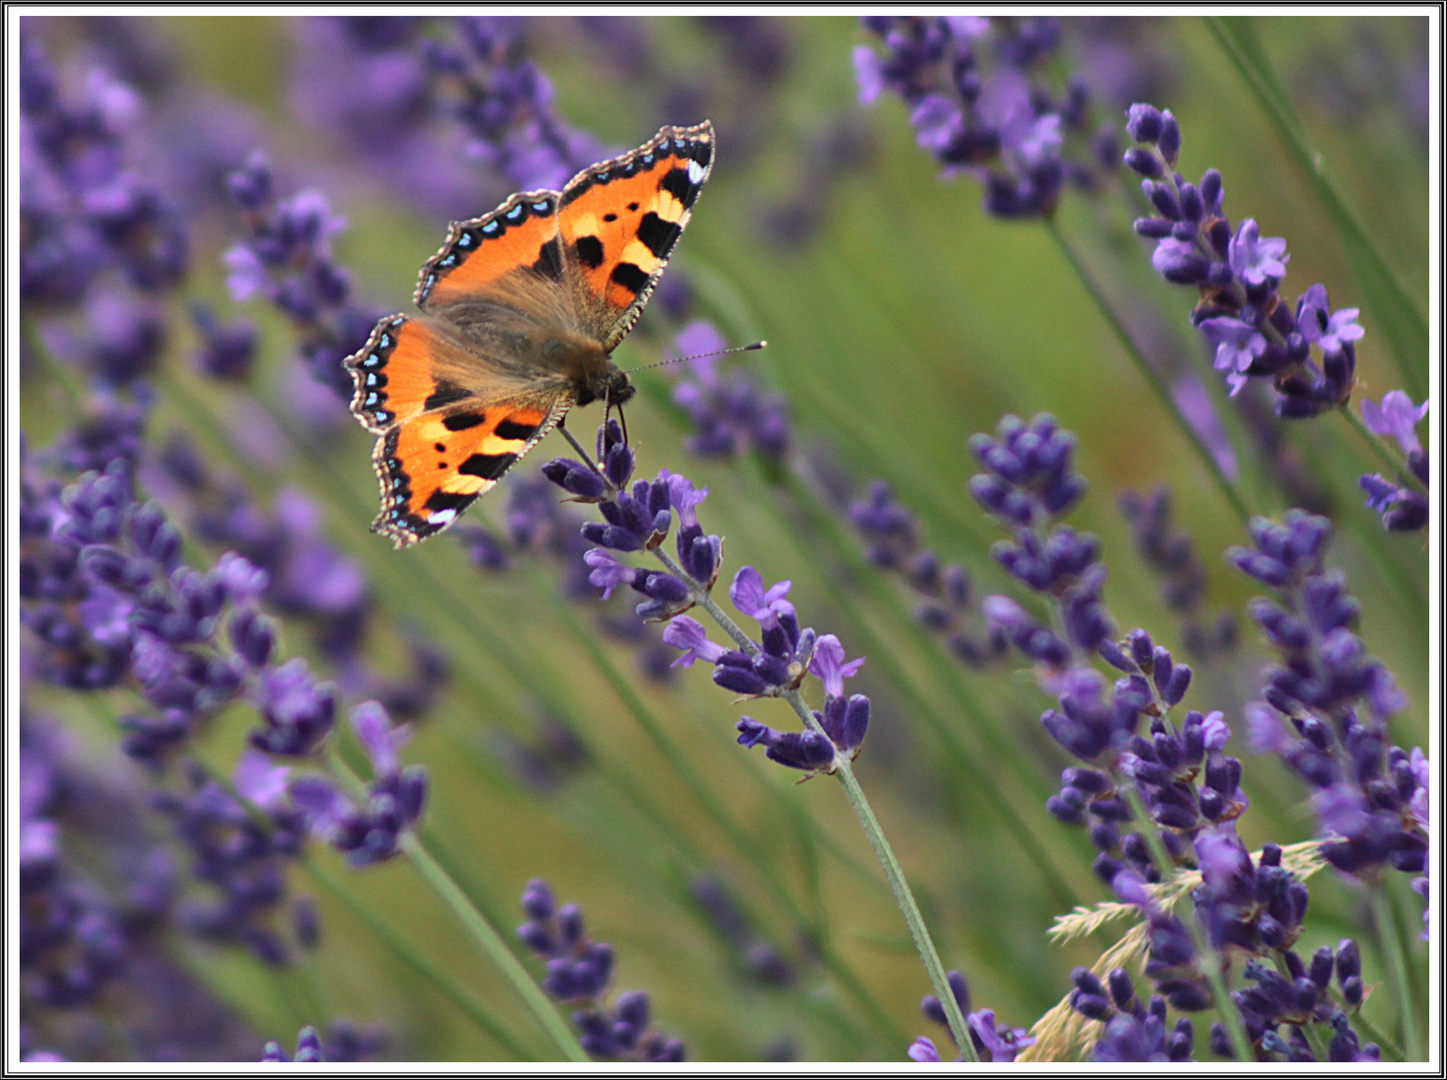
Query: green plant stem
{"points": [[1225, 1008], [893, 873], [488, 941], [406, 951], [400, 946], [1376, 1034], [1152, 377], [491, 945], [1390, 944]]}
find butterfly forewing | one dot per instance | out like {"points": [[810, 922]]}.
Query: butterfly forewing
{"points": [[619, 222], [521, 234]]}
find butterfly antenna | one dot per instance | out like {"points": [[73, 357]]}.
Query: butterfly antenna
{"points": [[700, 356]]}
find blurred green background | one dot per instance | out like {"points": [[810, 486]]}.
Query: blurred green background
{"points": [[901, 319]]}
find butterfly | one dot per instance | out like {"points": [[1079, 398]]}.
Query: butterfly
{"points": [[521, 309]]}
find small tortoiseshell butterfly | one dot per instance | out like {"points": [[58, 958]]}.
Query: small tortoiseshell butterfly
{"points": [[521, 309]]}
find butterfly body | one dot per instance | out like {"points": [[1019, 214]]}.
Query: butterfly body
{"points": [[521, 311]]}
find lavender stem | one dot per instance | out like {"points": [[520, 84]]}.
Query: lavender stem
{"points": [[483, 934], [893, 873], [1390, 943]]}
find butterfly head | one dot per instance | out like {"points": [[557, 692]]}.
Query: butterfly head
{"points": [[606, 384]]}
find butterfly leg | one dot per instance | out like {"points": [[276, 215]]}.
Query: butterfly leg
{"points": [[622, 419]]}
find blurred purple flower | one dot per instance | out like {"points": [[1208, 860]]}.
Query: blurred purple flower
{"points": [[1396, 416]]}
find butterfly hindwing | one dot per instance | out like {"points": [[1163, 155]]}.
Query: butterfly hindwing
{"points": [[619, 221], [392, 374], [450, 423], [434, 465]]}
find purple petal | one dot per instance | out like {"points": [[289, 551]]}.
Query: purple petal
{"points": [[690, 636], [259, 779]]}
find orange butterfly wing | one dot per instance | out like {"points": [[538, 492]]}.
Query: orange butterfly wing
{"points": [[440, 447], [619, 222], [519, 236], [452, 418]]}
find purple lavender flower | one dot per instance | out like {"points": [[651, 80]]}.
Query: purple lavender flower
{"points": [[538, 525], [1132, 1030], [296, 710], [439, 107], [923, 1049], [979, 105], [308, 1048], [85, 206], [1334, 699], [1404, 507], [1171, 554], [690, 636], [98, 913], [579, 971], [640, 518], [767, 606], [1397, 417], [761, 960], [891, 538], [286, 259], [1238, 273], [992, 1042], [396, 795], [227, 351], [242, 858]]}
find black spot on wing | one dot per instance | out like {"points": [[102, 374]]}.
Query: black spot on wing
{"points": [[510, 429], [658, 235], [630, 276], [589, 250], [461, 421], [446, 394], [677, 184], [550, 261], [487, 466], [447, 500]]}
